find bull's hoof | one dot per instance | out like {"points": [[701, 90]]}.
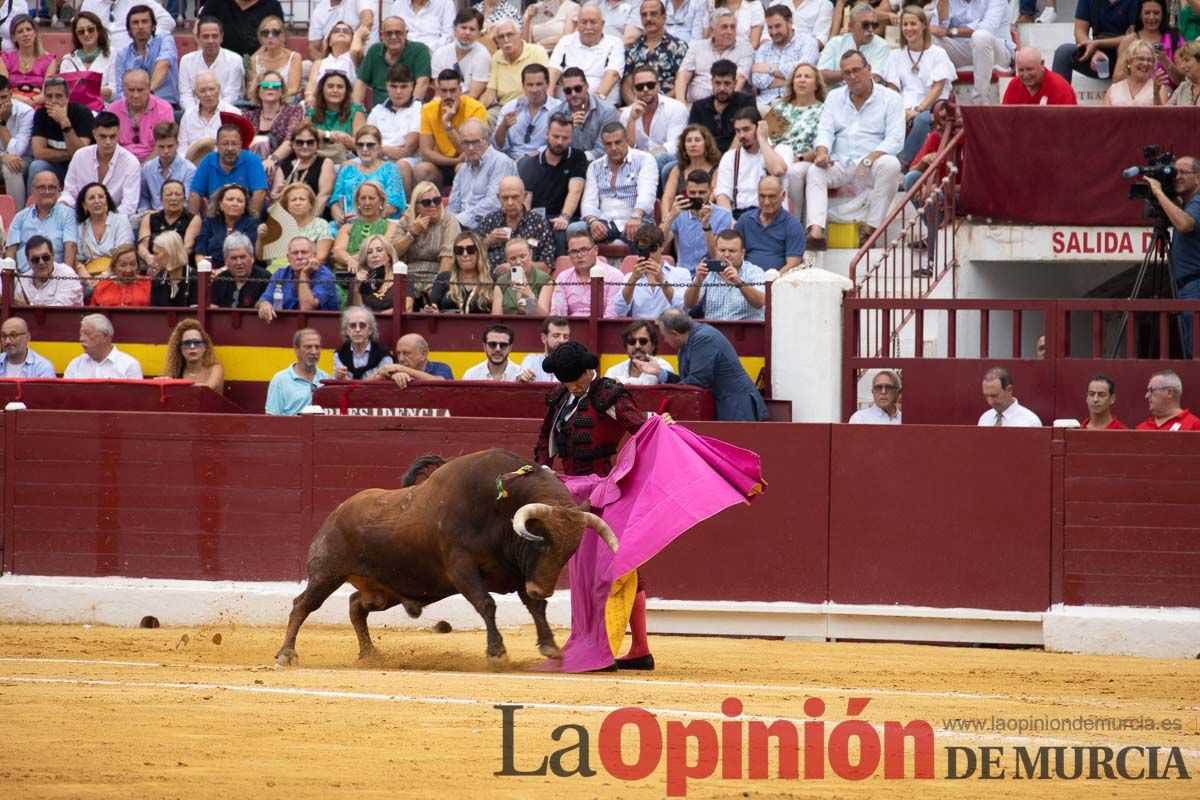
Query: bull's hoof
{"points": [[287, 658], [550, 650], [367, 653], [414, 609]]}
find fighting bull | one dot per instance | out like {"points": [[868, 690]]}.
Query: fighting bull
{"points": [[482, 523]]}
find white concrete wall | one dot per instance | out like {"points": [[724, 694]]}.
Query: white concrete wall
{"points": [[806, 343]]}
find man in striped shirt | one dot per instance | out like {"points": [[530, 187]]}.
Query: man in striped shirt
{"points": [[620, 188]]}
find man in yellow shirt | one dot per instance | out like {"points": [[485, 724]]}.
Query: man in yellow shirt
{"points": [[512, 55], [441, 150]]}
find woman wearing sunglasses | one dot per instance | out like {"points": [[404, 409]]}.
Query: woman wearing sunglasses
{"points": [[374, 279], [190, 356], [343, 53], [369, 167], [305, 165], [273, 55], [425, 237], [89, 39], [467, 288], [273, 120]]}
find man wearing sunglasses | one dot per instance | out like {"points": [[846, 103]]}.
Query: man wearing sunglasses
{"points": [[975, 32], [641, 345], [241, 19], [860, 37], [396, 48], [588, 114], [497, 346], [139, 112], [358, 14], [48, 283], [211, 56], [524, 121], [885, 394], [654, 122]]}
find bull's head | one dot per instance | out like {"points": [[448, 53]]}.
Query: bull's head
{"points": [[564, 529]]}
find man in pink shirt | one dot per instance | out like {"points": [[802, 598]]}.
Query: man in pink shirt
{"points": [[139, 111], [573, 288]]}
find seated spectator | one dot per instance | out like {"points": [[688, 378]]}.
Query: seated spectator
{"points": [[424, 237], [90, 53], [715, 112], [202, 121], [750, 20], [737, 291], [621, 19], [397, 48], [368, 167], [521, 129], [1164, 394], [108, 162], [693, 222], [922, 74], [149, 49], [620, 188], [815, 19], [653, 284], [512, 55], [494, 11], [547, 22], [974, 34], [776, 59], [601, 56], [861, 38], [694, 80], [273, 54], [429, 22], [555, 331], [336, 117], [343, 53], [1101, 397], [885, 392], [115, 16], [16, 128], [441, 119], [169, 166], [139, 113], [398, 119], [191, 357], [1099, 29], [467, 287], [856, 116], [573, 285], [226, 215], [774, 238], [641, 345], [361, 355], [101, 230], [473, 195], [803, 101], [306, 166], [1035, 86], [290, 390], [100, 358], [18, 359], [358, 14], [47, 218], [28, 64], [1139, 87], [173, 283], [512, 220], [521, 288], [243, 282], [298, 200], [695, 151], [48, 283], [654, 122], [230, 164], [60, 130], [754, 158], [369, 202], [273, 120], [374, 280], [555, 178], [210, 56], [1153, 26], [466, 52], [124, 287], [588, 115], [1005, 411], [946, 122], [656, 47], [413, 364], [497, 343], [303, 285], [1188, 91], [173, 216]]}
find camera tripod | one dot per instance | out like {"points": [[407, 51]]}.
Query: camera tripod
{"points": [[1155, 275]]}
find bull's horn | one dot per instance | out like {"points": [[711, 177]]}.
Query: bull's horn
{"points": [[601, 528], [536, 510]]}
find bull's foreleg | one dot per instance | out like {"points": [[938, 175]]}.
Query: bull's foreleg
{"points": [[465, 577], [363, 602], [308, 601], [545, 637]]}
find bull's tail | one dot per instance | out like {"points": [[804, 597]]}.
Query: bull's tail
{"points": [[421, 469]]}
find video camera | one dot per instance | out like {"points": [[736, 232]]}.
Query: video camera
{"points": [[1160, 165]]}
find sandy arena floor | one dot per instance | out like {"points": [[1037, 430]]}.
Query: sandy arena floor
{"points": [[106, 712]]}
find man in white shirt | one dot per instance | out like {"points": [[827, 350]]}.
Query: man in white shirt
{"points": [[599, 55], [861, 37], [622, 18], [211, 57], [621, 188], [778, 56], [814, 17], [497, 343], [101, 359], [203, 120], [16, 130], [399, 121], [885, 410], [17, 360], [430, 22], [555, 331], [653, 122], [975, 32], [1005, 411], [466, 54], [641, 345], [48, 283], [358, 14], [747, 162], [860, 132]]}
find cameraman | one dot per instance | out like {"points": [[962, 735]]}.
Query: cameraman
{"points": [[1185, 241]]}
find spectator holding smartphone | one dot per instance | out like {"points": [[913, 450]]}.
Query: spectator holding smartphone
{"points": [[653, 285], [692, 222]]}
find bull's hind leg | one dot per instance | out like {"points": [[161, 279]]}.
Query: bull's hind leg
{"points": [[308, 601], [363, 602], [545, 637]]}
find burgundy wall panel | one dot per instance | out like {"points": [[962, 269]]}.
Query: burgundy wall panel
{"points": [[940, 516]]}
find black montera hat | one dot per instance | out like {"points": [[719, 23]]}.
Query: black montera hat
{"points": [[569, 360]]}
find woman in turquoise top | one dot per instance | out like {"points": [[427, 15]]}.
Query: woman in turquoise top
{"points": [[369, 167], [336, 116]]}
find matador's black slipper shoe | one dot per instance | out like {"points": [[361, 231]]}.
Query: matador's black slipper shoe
{"points": [[610, 668], [645, 662]]}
